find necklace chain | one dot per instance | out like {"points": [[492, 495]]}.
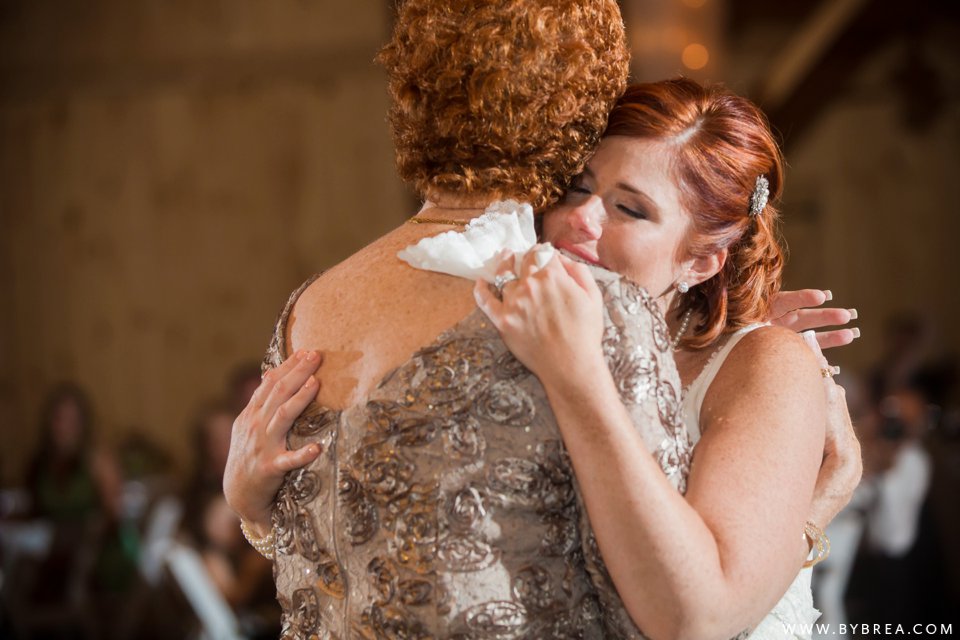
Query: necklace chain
{"points": [[418, 220], [449, 221], [675, 343]]}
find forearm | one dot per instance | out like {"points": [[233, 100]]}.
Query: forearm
{"points": [[669, 567]]}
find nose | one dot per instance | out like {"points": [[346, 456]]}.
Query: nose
{"points": [[586, 219]]}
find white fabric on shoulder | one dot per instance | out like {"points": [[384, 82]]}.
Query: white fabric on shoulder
{"points": [[476, 251], [694, 393]]}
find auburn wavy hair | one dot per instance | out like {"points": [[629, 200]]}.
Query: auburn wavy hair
{"points": [[502, 96], [721, 143]]}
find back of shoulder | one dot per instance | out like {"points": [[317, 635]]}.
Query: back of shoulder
{"points": [[772, 350], [771, 373]]}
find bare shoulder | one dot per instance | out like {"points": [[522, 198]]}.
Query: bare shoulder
{"points": [[772, 349], [373, 292], [370, 313], [771, 373], [349, 285]]}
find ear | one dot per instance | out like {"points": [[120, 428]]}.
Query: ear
{"points": [[702, 269]]}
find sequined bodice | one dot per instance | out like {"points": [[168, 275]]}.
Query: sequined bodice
{"points": [[445, 505]]}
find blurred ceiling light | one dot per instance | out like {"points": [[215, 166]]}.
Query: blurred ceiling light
{"points": [[695, 56]]}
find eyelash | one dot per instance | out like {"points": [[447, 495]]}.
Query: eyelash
{"points": [[639, 215]]}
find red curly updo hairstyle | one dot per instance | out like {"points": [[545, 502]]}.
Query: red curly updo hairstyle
{"points": [[502, 96], [721, 143]]}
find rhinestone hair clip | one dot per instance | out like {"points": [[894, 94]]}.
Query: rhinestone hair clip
{"points": [[760, 195]]}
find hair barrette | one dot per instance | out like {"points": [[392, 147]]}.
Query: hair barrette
{"points": [[760, 195]]}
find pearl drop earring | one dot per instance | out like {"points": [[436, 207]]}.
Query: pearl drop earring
{"points": [[683, 287]]}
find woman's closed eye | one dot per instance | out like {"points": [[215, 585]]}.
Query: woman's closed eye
{"points": [[576, 194], [637, 213]]}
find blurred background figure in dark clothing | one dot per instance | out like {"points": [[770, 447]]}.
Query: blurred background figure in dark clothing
{"points": [[211, 434], [243, 577], [895, 551], [242, 382], [72, 522]]}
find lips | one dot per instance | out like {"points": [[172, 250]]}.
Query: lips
{"points": [[579, 252]]}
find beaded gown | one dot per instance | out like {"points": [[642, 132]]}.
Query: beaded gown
{"points": [[445, 506]]}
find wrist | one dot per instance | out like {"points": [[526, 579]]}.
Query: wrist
{"points": [[575, 373], [264, 544], [258, 522]]}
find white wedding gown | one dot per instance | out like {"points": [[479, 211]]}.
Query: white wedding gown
{"points": [[475, 253]]}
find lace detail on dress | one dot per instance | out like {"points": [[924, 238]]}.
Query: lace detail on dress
{"points": [[446, 507]]}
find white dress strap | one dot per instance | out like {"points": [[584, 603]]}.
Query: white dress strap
{"points": [[695, 392]]}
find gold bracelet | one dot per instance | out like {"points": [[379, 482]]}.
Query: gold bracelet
{"points": [[816, 538], [265, 546]]}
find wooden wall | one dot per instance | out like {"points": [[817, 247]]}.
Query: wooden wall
{"points": [[168, 173]]}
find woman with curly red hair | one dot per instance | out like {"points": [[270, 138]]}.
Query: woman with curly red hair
{"points": [[415, 514], [679, 198]]}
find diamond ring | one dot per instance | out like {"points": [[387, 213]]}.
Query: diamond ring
{"points": [[502, 279]]}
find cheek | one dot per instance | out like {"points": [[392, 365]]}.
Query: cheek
{"points": [[553, 225], [643, 259]]}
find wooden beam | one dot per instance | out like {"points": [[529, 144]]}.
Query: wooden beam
{"points": [[806, 49]]}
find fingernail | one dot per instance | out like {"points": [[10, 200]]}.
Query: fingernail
{"points": [[856, 332], [853, 313], [310, 383], [836, 370], [310, 356], [827, 295], [315, 449]]}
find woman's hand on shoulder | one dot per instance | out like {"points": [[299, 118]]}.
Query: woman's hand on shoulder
{"points": [[550, 317], [800, 311], [258, 458]]}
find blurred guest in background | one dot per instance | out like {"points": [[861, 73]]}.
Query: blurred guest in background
{"points": [[70, 480], [241, 383], [75, 489], [77, 486], [898, 577], [211, 437], [906, 339], [243, 577]]}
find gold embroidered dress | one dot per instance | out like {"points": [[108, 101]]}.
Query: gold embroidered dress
{"points": [[445, 505]]}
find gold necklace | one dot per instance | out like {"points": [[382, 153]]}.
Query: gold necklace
{"points": [[458, 223], [428, 204]]}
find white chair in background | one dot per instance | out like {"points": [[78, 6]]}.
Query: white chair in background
{"points": [[216, 616]]}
